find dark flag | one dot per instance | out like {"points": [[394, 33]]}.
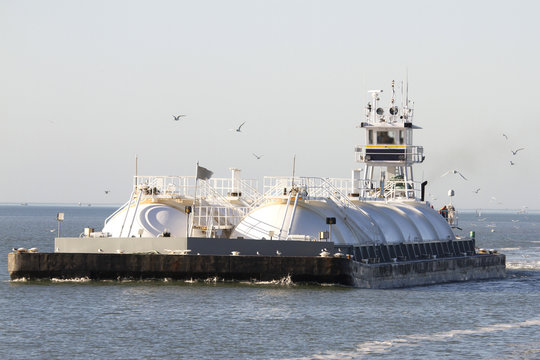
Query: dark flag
{"points": [[203, 173]]}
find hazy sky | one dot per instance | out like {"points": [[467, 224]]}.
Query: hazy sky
{"points": [[87, 85]]}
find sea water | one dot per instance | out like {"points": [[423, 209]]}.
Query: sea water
{"points": [[84, 319]]}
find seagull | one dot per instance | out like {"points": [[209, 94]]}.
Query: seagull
{"points": [[506, 137], [239, 129], [278, 253], [258, 253], [107, 192], [454, 172], [258, 156], [52, 230], [176, 118], [100, 250], [512, 163], [515, 152], [476, 191]]}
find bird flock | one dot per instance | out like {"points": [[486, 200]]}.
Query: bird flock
{"points": [[514, 152], [477, 190]]}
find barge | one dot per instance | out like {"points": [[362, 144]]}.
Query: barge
{"points": [[373, 230]]}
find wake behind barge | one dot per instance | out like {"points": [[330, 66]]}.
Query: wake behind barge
{"points": [[373, 230]]}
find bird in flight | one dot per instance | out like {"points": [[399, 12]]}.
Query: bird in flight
{"points": [[177, 117], [516, 151], [476, 191], [107, 192], [506, 137], [454, 172], [239, 129], [512, 163], [258, 156]]}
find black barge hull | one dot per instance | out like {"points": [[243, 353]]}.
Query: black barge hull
{"points": [[300, 269]]}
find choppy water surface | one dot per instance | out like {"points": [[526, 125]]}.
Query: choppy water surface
{"points": [[158, 319]]}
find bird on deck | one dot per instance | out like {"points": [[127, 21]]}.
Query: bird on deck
{"points": [[278, 253], [514, 152], [177, 117], [454, 172]]}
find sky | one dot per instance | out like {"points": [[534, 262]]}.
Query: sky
{"points": [[86, 86]]}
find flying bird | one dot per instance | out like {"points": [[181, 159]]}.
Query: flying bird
{"points": [[107, 192], [177, 117], [52, 230], [512, 163], [454, 172], [476, 191], [239, 129], [506, 137], [516, 151], [258, 156]]}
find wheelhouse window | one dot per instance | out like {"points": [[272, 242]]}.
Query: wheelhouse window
{"points": [[386, 137], [370, 137]]}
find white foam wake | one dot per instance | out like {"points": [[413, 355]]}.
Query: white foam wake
{"points": [[523, 265], [284, 281], [380, 347], [76, 280]]}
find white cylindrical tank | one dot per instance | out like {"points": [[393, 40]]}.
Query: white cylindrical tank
{"points": [[236, 180], [356, 181]]}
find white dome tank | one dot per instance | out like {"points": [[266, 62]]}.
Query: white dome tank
{"points": [[369, 223], [150, 220]]}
